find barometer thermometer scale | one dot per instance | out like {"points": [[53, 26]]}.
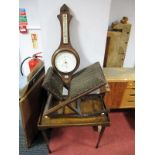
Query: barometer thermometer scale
{"points": [[65, 59]]}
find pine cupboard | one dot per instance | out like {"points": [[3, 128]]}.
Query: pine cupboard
{"points": [[121, 83]]}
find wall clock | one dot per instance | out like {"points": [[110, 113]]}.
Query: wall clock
{"points": [[65, 60]]}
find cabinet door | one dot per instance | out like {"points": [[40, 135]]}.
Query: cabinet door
{"points": [[30, 108], [113, 99]]}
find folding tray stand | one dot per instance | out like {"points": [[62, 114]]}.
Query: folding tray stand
{"points": [[83, 106]]}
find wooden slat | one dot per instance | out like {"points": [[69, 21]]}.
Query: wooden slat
{"points": [[61, 122], [74, 109], [70, 100]]}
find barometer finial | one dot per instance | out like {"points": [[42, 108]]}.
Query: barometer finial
{"points": [[64, 8]]}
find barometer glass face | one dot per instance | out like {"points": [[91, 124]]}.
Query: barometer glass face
{"points": [[65, 62]]}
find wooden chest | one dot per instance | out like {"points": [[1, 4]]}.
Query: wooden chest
{"points": [[121, 88]]}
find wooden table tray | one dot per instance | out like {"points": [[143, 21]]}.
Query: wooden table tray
{"points": [[89, 105], [93, 109]]}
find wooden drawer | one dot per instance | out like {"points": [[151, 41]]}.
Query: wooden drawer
{"points": [[122, 87], [121, 95], [128, 99], [129, 91], [131, 84]]}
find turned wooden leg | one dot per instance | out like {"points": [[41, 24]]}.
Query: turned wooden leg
{"points": [[95, 128], [46, 139], [100, 136]]}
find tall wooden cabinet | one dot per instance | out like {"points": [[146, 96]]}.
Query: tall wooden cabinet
{"points": [[121, 87]]}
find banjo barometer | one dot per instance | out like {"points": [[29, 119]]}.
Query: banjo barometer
{"points": [[65, 60]]}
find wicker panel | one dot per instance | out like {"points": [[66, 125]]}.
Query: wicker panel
{"points": [[53, 84], [87, 79]]}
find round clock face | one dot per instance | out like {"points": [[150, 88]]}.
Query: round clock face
{"points": [[65, 62]]}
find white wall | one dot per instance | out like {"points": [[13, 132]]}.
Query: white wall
{"points": [[25, 41], [88, 28], [26, 48], [31, 11], [120, 8]]}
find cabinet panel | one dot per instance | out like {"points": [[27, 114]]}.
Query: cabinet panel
{"points": [[30, 107], [121, 95], [122, 87], [113, 98]]}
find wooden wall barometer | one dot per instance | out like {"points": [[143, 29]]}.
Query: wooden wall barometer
{"points": [[65, 60]]}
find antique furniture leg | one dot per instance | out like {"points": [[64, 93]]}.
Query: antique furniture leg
{"points": [[100, 136], [46, 140], [95, 128]]}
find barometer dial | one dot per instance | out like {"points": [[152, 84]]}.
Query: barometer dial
{"points": [[65, 62]]}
